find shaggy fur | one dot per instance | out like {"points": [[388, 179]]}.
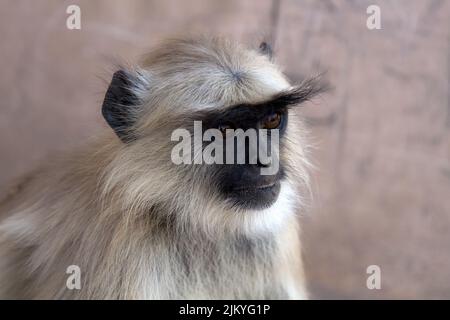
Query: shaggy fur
{"points": [[140, 227]]}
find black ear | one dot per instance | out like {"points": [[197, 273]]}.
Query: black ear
{"points": [[118, 106], [266, 49]]}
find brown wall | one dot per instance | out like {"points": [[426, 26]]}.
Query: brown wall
{"points": [[383, 135]]}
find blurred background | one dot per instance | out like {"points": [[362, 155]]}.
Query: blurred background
{"points": [[383, 135]]}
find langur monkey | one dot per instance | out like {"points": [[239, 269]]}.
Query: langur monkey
{"points": [[138, 226]]}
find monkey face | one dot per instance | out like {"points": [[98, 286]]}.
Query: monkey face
{"points": [[244, 183]]}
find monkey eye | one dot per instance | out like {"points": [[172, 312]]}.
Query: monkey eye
{"points": [[272, 121], [223, 128]]}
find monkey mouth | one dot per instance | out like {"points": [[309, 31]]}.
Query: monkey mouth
{"points": [[256, 197], [256, 187]]}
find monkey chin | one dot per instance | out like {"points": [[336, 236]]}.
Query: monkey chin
{"points": [[277, 213], [255, 197]]}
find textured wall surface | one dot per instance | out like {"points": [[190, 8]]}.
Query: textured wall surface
{"points": [[382, 188]]}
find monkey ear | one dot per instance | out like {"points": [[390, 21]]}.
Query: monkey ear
{"points": [[266, 49], [120, 103]]}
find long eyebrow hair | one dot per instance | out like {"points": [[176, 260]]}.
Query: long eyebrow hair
{"points": [[305, 91], [282, 101]]}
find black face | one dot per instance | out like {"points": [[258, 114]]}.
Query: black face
{"points": [[244, 184]]}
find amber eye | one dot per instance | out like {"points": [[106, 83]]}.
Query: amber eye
{"points": [[272, 121], [224, 127]]}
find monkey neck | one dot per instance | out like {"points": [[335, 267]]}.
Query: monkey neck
{"points": [[197, 260]]}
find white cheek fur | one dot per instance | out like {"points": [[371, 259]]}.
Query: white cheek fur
{"points": [[273, 218]]}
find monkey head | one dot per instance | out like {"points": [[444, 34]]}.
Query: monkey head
{"points": [[179, 116]]}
